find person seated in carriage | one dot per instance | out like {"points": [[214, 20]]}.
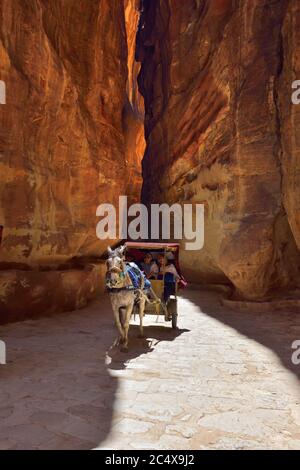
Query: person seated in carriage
{"points": [[149, 266], [166, 265], [168, 273], [138, 278]]}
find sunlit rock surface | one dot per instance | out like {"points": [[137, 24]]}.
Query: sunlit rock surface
{"points": [[71, 138], [220, 129], [62, 140], [219, 125], [134, 110]]}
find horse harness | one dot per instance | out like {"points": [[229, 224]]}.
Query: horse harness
{"points": [[126, 279]]}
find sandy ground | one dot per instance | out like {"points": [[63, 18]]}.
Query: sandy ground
{"points": [[224, 380]]}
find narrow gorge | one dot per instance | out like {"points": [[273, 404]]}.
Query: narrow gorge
{"points": [[221, 130], [160, 100]]}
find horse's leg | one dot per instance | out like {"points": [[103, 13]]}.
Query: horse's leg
{"points": [[142, 304], [128, 314], [119, 326]]}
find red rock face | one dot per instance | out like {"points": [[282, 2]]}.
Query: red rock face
{"points": [[219, 124], [63, 138], [28, 294], [134, 111], [289, 118], [71, 138], [220, 129]]}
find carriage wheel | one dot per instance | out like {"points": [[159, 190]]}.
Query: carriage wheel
{"points": [[172, 309], [174, 321]]}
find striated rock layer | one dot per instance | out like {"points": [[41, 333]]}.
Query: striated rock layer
{"points": [[63, 137], [220, 129], [289, 118], [134, 111], [71, 137], [27, 294]]}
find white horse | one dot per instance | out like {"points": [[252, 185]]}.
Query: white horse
{"points": [[123, 296]]}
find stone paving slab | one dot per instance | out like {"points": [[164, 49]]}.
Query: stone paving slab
{"points": [[224, 380]]}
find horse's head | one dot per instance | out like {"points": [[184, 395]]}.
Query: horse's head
{"points": [[115, 274]]}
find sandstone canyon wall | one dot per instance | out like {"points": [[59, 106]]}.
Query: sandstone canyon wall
{"points": [[65, 138], [134, 110], [71, 138], [221, 130]]}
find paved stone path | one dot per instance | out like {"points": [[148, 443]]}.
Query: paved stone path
{"points": [[224, 380]]}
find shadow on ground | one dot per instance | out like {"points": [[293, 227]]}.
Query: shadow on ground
{"points": [[56, 392], [154, 334], [56, 389], [275, 330]]}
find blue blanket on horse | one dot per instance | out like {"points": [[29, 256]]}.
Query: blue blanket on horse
{"points": [[137, 276]]}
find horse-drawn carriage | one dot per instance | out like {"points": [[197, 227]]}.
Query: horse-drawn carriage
{"points": [[163, 293], [132, 291]]}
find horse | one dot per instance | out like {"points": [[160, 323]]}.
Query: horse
{"points": [[123, 295]]}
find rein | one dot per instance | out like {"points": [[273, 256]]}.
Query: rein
{"points": [[123, 277]]}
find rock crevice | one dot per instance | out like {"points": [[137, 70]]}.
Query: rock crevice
{"points": [[215, 125], [217, 114]]}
